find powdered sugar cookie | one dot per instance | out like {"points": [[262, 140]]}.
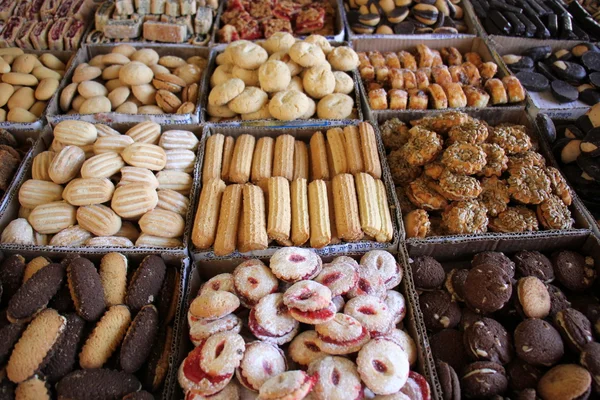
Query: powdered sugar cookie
{"points": [[404, 340], [396, 305], [261, 362], [291, 385], [416, 387], [304, 349], [345, 259], [201, 329], [339, 277], [337, 379], [218, 282], [214, 305], [252, 281], [383, 366], [309, 302], [293, 264], [341, 335], [369, 283], [372, 313], [230, 392], [270, 320], [386, 263]]}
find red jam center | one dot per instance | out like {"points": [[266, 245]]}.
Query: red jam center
{"points": [[219, 349], [367, 310], [349, 342], [193, 372], [268, 367], [312, 347], [379, 366], [253, 281], [364, 285], [335, 377], [318, 314], [330, 278], [297, 258]]}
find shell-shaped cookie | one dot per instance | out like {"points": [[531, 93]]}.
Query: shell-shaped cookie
{"points": [[105, 130], [112, 144], [88, 191], [178, 181], [41, 165], [128, 230], [139, 339], [103, 383], [134, 200], [113, 274], [18, 231], [109, 241], [137, 175], [162, 223], [52, 217], [173, 201], [35, 192], [145, 155], [180, 159], [102, 166], [145, 283], [73, 132], [178, 139], [99, 219], [72, 236], [66, 165], [145, 132], [86, 289], [146, 240]]}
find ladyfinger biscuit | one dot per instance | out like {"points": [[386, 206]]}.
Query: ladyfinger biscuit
{"points": [[12, 271], [300, 219], [145, 155], [301, 162], [253, 229], [213, 157], [241, 161], [35, 344], [145, 132], [34, 266], [337, 146], [231, 204], [353, 149], [137, 175], [262, 160], [65, 353], [139, 339], [145, 283], [227, 156], [368, 207], [66, 165], [283, 157], [280, 213], [74, 132], [103, 165], [113, 275], [181, 159], [178, 139], [52, 217], [370, 154], [207, 214], [134, 200], [34, 192], [173, 201], [318, 157], [146, 240], [98, 219], [33, 389], [387, 229], [158, 361], [178, 181], [72, 236], [41, 165], [88, 191], [318, 206], [347, 218], [96, 384], [86, 290], [162, 223], [111, 144], [104, 339], [168, 298]]}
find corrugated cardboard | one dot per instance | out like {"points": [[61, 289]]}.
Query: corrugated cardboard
{"points": [[304, 134]]}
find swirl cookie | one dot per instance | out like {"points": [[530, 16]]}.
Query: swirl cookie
{"points": [[97, 384], [86, 289], [252, 281], [271, 321], [340, 277], [146, 283], [293, 264], [337, 379], [386, 264], [139, 339], [341, 335], [65, 353], [261, 362], [309, 302], [105, 338], [290, 385]]}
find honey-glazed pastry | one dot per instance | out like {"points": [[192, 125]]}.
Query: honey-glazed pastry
{"points": [[378, 99], [473, 132], [438, 96], [456, 96], [398, 99], [497, 161], [434, 169], [410, 79], [437, 59], [442, 123], [416, 224], [405, 204], [382, 74], [458, 74], [514, 219], [392, 60], [374, 86], [526, 160], [458, 187], [476, 97], [465, 217], [425, 56], [423, 196], [473, 58], [441, 75], [514, 89], [402, 171], [417, 99], [394, 134], [363, 59], [494, 195], [423, 146], [367, 72], [497, 92], [377, 59], [464, 158], [473, 77], [396, 78], [529, 185], [559, 185], [512, 138], [553, 213], [408, 60], [422, 77], [487, 70]]}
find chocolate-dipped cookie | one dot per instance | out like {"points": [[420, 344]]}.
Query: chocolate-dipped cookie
{"points": [[169, 296], [139, 339], [448, 381], [455, 283], [62, 301], [97, 384], [487, 340], [65, 352], [483, 379], [574, 271], [158, 361], [11, 276], [495, 258], [534, 263], [105, 338], [145, 283], [558, 300], [565, 381], [447, 346], [35, 294], [10, 334], [7, 389], [86, 289], [113, 274], [141, 395], [575, 328], [533, 296], [428, 274], [439, 310], [522, 375], [487, 288], [538, 343]]}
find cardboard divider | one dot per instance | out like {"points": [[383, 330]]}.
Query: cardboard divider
{"points": [[304, 134], [87, 52], [10, 210], [463, 44]]}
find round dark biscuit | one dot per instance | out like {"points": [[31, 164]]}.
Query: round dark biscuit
{"points": [[139, 339], [558, 300], [483, 379], [487, 340], [487, 288], [495, 258], [533, 263], [455, 283], [522, 375], [447, 346], [448, 380], [574, 271], [428, 273], [10, 335], [538, 343], [168, 297], [158, 361], [7, 389], [439, 310], [11, 275], [146, 282], [66, 349], [142, 395], [590, 359], [527, 394], [575, 329], [97, 384], [35, 294], [468, 318], [86, 289]]}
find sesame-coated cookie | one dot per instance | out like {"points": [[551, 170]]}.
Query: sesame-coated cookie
{"points": [[139, 339], [113, 274], [86, 289], [145, 283], [65, 351], [105, 338], [97, 384]]}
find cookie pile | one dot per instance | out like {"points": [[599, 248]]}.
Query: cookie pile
{"points": [[283, 79], [134, 81], [525, 327], [569, 74], [85, 329], [405, 17], [94, 185], [472, 177], [251, 20], [434, 79], [28, 82], [344, 308], [343, 198], [11, 155]]}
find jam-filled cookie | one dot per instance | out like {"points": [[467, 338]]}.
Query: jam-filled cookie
{"points": [[372, 313], [294, 264], [252, 281], [396, 305], [370, 282], [201, 328], [261, 362], [339, 277], [304, 349], [309, 302], [514, 219], [214, 305], [218, 282], [271, 321], [390, 269], [405, 341], [465, 217], [383, 366], [290, 385], [337, 379], [342, 335]]}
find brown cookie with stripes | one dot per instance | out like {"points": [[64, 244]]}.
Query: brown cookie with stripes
{"points": [[169, 296], [139, 339], [86, 289], [146, 282], [158, 362], [65, 352], [11, 276], [97, 384]]}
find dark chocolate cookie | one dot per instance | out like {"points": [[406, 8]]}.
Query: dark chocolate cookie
{"points": [[86, 289], [574, 271], [455, 283], [97, 384], [558, 300], [487, 340], [145, 283], [66, 349], [143, 395], [447, 346], [534, 263], [495, 258], [483, 379], [10, 334], [538, 343], [11, 275], [139, 339], [439, 310], [428, 274], [527, 394], [468, 318], [448, 380], [158, 361], [575, 329], [169, 295], [487, 288], [62, 301], [590, 359], [522, 375], [7, 389]]}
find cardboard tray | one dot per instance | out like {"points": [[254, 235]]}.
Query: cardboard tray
{"points": [[395, 44], [339, 27], [303, 133], [10, 210], [87, 52], [180, 261], [583, 220], [212, 65], [203, 270]]}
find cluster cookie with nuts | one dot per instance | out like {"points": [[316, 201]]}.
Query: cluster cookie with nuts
{"points": [[284, 79], [130, 80], [459, 175]]}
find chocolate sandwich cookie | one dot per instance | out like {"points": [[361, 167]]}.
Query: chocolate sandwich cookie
{"points": [[145, 283], [574, 271], [455, 283], [575, 329], [142, 395], [139, 339], [65, 352], [35, 294], [533, 297], [97, 384], [439, 310], [448, 381], [558, 300], [428, 274], [483, 379], [169, 296], [495, 258], [11, 276], [10, 334], [533, 263], [86, 289], [538, 343], [590, 359], [522, 375], [447, 346], [565, 381], [487, 288], [487, 340], [158, 361]]}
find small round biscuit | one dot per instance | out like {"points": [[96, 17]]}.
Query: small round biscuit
{"points": [[248, 55], [222, 74], [288, 105], [279, 41], [335, 106], [250, 100], [274, 76], [343, 83], [296, 84], [307, 54], [343, 59], [225, 92], [220, 111], [146, 56], [319, 81], [310, 111], [263, 113], [320, 41], [284, 57], [250, 77]]}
